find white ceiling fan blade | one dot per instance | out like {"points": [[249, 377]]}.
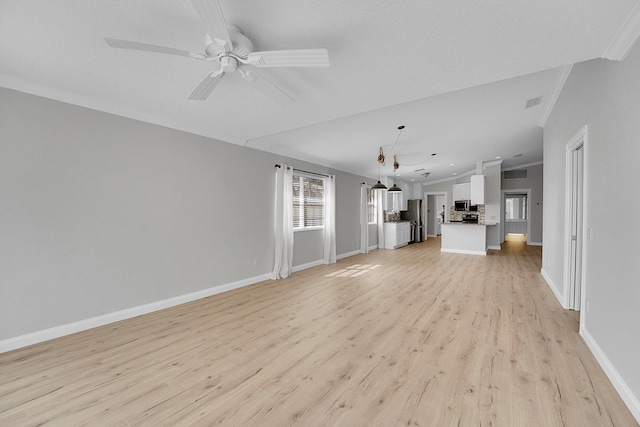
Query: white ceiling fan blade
{"points": [[146, 47], [211, 14], [206, 86], [268, 89], [290, 58]]}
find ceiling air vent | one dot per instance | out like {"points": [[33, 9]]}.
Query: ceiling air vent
{"points": [[515, 174], [426, 174], [533, 102]]}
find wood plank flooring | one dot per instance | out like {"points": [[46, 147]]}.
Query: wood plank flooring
{"points": [[396, 337]]}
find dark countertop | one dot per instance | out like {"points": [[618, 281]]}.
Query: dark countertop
{"points": [[468, 223]]}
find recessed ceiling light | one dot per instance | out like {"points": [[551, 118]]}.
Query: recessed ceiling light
{"points": [[452, 164], [455, 173], [498, 157], [413, 179]]}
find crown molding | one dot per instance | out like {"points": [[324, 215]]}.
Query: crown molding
{"points": [[492, 163], [296, 155], [625, 37], [527, 165], [558, 85]]}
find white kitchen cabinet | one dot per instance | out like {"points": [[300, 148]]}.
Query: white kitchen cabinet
{"points": [[396, 234], [462, 191], [396, 201], [477, 189]]}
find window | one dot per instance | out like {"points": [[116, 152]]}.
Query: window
{"points": [[515, 207], [308, 202], [373, 207]]}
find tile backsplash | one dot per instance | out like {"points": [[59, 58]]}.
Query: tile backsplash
{"points": [[457, 215]]}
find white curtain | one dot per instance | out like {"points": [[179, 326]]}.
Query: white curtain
{"points": [[283, 259], [364, 219], [330, 220]]}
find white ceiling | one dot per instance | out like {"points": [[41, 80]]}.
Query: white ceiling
{"points": [[457, 74]]}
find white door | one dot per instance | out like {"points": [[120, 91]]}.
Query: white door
{"points": [[577, 197]]}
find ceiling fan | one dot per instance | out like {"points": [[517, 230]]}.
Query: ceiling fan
{"points": [[231, 50]]}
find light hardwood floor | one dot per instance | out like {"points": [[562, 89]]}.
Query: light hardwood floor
{"points": [[396, 337]]}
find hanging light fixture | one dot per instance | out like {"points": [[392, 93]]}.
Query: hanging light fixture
{"points": [[396, 165], [379, 185], [395, 189]]}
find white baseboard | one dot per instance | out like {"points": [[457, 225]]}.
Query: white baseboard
{"points": [[301, 267], [348, 254], [534, 243], [94, 322], [373, 247], [463, 251], [631, 400], [495, 248], [553, 287]]}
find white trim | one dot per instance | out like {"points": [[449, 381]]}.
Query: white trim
{"points": [[94, 322], [373, 247], [558, 85], [534, 243], [349, 254], [553, 287], [528, 165], [503, 212], [311, 264], [579, 138], [425, 204], [491, 163], [494, 248], [625, 37], [451, 178], [464, 251], [632, 401]]}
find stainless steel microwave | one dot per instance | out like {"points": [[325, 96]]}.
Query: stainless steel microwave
{"points": [[462, 205]]}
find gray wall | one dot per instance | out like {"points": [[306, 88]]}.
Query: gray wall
{"points": [[534, 182], [603, 95], [99, 213], [493, 203]]}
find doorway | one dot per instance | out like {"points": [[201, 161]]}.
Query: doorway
{"points": [[516, 214], [436, 212], [575, 221]]}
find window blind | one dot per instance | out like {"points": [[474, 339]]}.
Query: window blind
{"points": [[308, 202]]}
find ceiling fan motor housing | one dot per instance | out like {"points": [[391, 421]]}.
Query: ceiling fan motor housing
{"points": [[242, 46]]}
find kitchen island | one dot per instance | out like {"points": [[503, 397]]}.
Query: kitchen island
{"points": [[464, 238]]}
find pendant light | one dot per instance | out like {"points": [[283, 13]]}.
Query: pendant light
{"points": [[396, 165], [395, 189], [379, 185]]}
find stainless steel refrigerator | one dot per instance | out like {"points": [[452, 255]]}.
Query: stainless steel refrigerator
{"points": [[415, 213]]}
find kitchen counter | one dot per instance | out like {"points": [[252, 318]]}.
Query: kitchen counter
{"points": [[464, 238], [468, 223]]}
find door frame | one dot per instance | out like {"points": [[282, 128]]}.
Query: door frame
{"points": [[426, 206], [526, 191], [580, 138]]}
